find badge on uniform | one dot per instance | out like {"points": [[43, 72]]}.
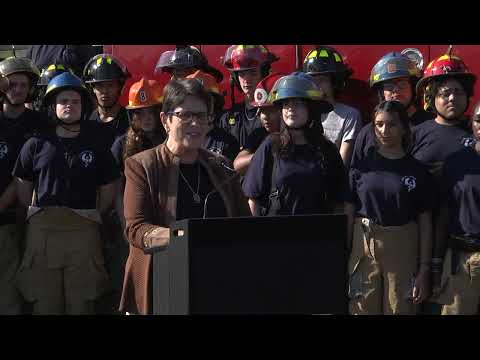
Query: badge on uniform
{"points": [[468, 142], [86, 157], [410, 182], [231, 121], [3, 150]]}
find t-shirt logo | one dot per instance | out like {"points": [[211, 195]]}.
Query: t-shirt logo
{"points": [[410, 182], [468, 142], [215, 149], [3, 150], [86, 157]]}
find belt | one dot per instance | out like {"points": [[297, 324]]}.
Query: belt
{"points": [[466, 242]]}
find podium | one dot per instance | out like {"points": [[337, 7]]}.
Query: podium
{"points": [[253, 265]]}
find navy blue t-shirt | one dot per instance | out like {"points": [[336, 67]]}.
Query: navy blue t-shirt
{"points": [[111, 130], [460, 185], [218, 140], [433, 142], [365, 141], [66, 171], [13, 134], [390, 192], [255, 139], [117, 152], [240, 121], [308, 182]]}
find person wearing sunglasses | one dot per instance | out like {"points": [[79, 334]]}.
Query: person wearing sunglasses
{"points": [[176, 180]]}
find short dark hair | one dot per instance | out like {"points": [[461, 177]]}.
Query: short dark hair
{"points": [[176, 91], [395, 107]]}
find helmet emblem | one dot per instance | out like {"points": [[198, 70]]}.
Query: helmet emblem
{"points": [[260, 96], [391, 68], [142, 95], [446, 68]]}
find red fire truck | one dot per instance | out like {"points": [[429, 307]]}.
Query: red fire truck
{"points": [[141, 60]]}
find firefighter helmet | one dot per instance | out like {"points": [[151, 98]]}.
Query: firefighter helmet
{"points": [[446, 66], [263, 89], [245, 57], [211, 85], [50, 72], [185, 56], [14, 65], [441, 68], [145, 93], [325, 60], [65, 81], [393, 65], [180, 58], [298, 85], [104, 67], [207, 80]]}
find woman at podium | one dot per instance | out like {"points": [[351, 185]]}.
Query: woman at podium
{"points": [[175, 180]]}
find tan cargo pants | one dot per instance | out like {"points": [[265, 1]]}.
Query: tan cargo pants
{"points": [[10, 299], [461, 291], [62, 271], [381, 267]]}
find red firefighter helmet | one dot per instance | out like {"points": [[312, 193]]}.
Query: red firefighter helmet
{"points": [[263, 90], [145, 93], [245, 57], [443, 67]]}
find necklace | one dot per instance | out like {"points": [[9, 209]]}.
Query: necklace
{"points": [[196, 197], [66, 146], [246, 114]]}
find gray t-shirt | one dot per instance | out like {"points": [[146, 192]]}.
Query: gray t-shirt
{"points": [[341, 124]]}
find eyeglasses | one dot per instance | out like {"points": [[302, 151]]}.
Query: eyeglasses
{"points": [[399, 85], [185, 117], [445, 93]]}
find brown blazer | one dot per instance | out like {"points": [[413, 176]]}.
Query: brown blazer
{"points": [[150, 203]]}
